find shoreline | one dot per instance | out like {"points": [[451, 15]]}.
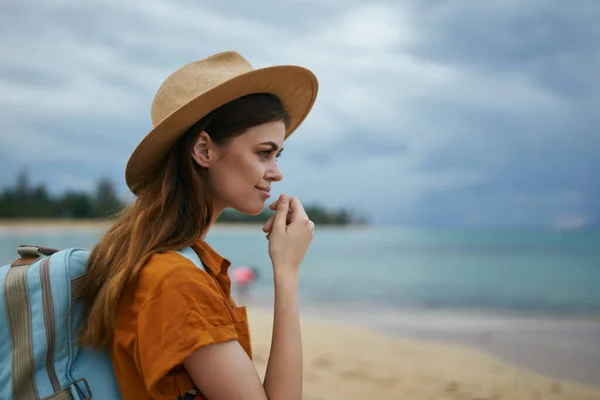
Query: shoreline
{"points": [[564, 347], [26, 225], [344, 359]]}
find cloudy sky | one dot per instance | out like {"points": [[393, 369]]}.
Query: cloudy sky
{"points": [[463, 112]]}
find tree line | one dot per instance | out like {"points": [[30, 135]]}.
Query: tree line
{"points": [[24, 200]]}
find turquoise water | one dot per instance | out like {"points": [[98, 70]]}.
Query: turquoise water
{"points": [[556, 272]]}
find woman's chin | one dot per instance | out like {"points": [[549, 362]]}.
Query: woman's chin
{"points": [[252, 209]]}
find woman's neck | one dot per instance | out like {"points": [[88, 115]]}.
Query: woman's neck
{"points": [[217, 210]]}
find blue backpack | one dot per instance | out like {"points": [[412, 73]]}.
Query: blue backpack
{"points": [[40, 316]]}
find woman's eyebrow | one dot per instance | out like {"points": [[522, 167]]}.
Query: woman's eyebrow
{"points": [[273, 145]]}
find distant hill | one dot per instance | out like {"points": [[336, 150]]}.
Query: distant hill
{"points": [[26, 201], [318, 214]]}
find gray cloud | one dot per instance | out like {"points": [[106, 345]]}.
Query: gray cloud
{"points": [[477, 113]]}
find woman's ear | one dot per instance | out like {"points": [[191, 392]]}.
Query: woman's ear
{"points": [[201, 153]]}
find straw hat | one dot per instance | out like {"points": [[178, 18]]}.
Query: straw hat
{"points": [[200, 87]]}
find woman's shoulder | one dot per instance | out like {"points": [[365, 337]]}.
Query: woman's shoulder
{"points": [[166, 281], [169, 269]]}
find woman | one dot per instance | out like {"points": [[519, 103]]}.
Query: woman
{"points": [[172, 328]]}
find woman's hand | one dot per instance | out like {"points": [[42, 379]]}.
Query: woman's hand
{"points": [[289, 232]]}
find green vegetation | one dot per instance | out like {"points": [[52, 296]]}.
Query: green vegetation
{"points": [[26, 201], [318, 214]]}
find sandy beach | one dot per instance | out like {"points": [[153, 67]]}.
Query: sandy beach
{"points": [[25, 226], [345, 361], [564, 347], [21, 225]]}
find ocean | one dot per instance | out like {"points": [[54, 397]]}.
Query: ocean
{"points": [[546, 272]]}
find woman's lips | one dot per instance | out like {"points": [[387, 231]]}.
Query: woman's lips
{"points": [[264, 191]]}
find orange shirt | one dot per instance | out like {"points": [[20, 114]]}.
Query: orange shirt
{"points": [[174, 309]]}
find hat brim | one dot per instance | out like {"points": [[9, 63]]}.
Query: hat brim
{"points": [[296, 87]]}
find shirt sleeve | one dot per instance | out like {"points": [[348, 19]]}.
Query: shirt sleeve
{"points": [[187, 313]]}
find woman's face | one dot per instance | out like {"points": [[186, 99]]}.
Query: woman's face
{"points": [[240, 173]]}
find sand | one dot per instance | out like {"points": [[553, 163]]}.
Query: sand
{"points": [[26, 225], [31, 226], [565, 347], [344, 361]]}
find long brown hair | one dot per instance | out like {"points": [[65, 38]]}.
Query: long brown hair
{"points": [[172, 210]]}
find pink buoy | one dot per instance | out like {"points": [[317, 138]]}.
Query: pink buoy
{"points": [[243, 275], [242, 278]]}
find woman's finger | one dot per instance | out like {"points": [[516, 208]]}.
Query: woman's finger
{"points": [[298, 211], [269, 224], [280, 220]]}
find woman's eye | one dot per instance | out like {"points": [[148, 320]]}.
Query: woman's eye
{"points": [[267, 154]]}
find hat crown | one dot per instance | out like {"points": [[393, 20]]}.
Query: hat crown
{"points": [[194, 79]]}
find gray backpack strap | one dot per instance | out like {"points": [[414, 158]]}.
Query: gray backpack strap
{"points": [[191, 255]]}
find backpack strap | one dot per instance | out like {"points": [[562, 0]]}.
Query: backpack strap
{"points": [[29, 254], [18, 313], [191, 255], [27, 250]]}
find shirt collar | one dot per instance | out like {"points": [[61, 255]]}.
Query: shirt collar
{"points": [[211, 259]]}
